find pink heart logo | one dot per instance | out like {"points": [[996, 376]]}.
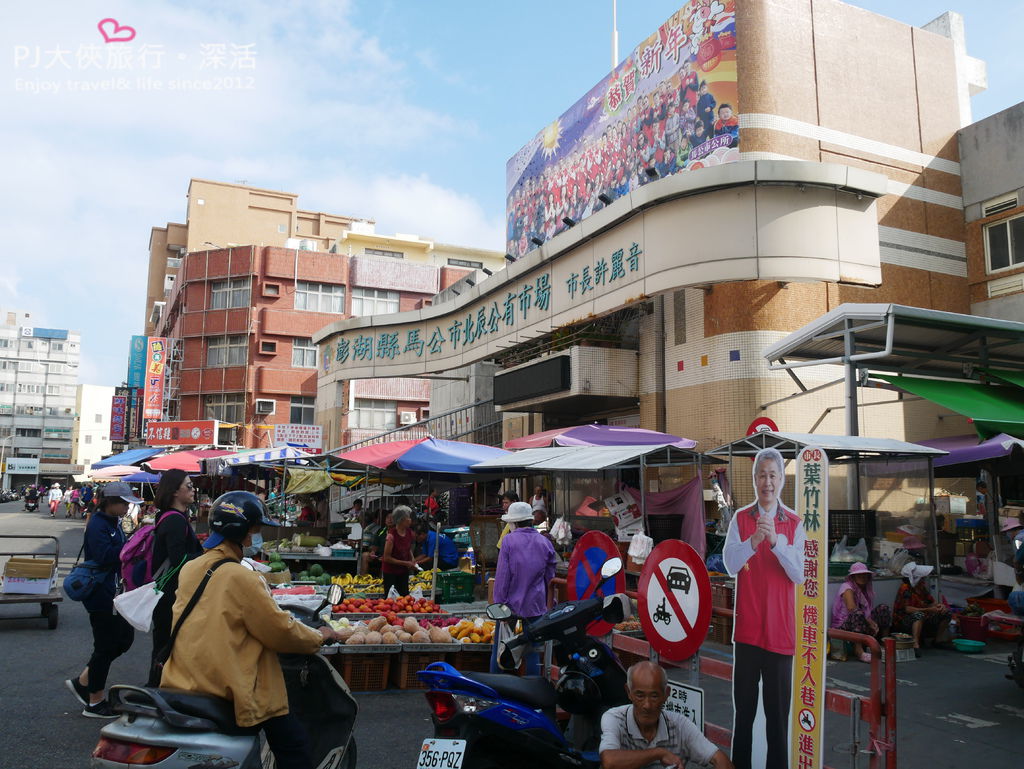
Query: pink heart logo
{"points": [[115, 33]]}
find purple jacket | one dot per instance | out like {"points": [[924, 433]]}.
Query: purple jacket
{"points": [[526, 565]]}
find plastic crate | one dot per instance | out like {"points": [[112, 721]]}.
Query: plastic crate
{"points": [[404, 669], [364, 672], [475, 660], [722, 593], [990, 604], [721, 629], [454, 586]]}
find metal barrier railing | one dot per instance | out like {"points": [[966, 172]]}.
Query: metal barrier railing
{"points": [[877, 709]]}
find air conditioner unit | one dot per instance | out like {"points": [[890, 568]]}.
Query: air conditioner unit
{"points": [[407, 417], [265, 406]]}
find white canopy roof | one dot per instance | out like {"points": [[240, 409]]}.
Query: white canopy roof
{"points": [[838, 447], [591, 458]]}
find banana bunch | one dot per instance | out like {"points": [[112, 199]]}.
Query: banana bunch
{"points": [[359, 583], [423, 579]]}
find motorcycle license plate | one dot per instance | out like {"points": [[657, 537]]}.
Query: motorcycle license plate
{"points": [[441, 754]]}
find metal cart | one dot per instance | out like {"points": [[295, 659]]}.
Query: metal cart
{"points": [[48, 601]]}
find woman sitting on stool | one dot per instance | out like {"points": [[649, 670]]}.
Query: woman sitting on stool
{"points": [[854, 609]]}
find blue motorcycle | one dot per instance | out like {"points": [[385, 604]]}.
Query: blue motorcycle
{"points": [[490, 721]]}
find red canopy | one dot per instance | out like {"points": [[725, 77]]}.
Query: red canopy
{"points": [[380, 455], [189, 461], [598, 435]]}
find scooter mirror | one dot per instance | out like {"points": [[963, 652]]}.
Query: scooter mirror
{"points": [[335, 593], [497, 611], [611, 567]]}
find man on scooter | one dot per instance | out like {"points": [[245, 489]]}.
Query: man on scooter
{"points": [[228, 645], [643, 736]]}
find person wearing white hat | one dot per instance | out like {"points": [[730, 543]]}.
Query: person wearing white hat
{"points": [[915, 610], [526, 566], [54, 498]]}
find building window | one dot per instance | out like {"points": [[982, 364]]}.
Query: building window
{"points": [[56, 347], [53, 389], [466, 263], [173, 262], [54, 368], [1005, 241], [98, 418], [226, 350], [268, 348], [302, 409], [679, 316], [6, 387], [27, 432], [31, 389], [303, 353], [226, 407], [88, 439], [229, 293], [373, 301], [383, 252], [319, 297], [282, 228], [374, 415], [4, 343]]}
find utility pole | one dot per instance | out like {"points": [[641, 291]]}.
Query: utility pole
{"points": [[615, 34]]}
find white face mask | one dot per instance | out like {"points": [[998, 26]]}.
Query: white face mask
{"points": [[257, 540]]}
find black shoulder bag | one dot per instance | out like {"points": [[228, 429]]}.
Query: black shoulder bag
{"points": [[164, 654]]}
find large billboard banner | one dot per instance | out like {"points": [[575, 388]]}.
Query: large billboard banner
{"points": [[194, 433], [670, 106], [137, 362], [156, 361], [118, 414]]}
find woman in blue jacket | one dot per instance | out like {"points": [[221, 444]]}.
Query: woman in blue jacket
{"points": [[111, 635]]}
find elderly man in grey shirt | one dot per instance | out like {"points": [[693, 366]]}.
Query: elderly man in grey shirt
{"points": [[643, 736]]}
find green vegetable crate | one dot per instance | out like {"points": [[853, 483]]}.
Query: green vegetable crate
{"points": [[454, 586]]}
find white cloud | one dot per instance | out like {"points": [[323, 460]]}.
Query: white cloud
{"points": [[412, 204], [331, 116]]}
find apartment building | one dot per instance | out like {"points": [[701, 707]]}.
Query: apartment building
{"points": [[241, 288], [90, 435], [38, 380]]}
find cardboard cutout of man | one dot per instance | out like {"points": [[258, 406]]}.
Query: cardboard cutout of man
{"points": [[764, 551]]}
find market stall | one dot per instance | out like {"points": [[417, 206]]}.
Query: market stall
{"points": [[881, 491]]}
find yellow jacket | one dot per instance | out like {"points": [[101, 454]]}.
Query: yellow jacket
{"points": [[228, 645]]}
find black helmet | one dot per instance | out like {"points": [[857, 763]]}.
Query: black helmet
{"points": [[233, 514], [578, 694]]}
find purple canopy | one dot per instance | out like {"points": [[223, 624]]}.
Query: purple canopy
{"points": [[599, 435], [964, 449]]}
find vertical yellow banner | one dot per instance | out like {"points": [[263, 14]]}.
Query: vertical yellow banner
{"points": [[812, 619]]}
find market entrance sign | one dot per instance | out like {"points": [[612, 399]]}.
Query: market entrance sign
{"points": [[649, 242]]}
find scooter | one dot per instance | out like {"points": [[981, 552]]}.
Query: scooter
{"points": [[31, 504], [182, 730], [489, 721]]}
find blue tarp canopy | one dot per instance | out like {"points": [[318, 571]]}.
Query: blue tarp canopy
{"points": [[130, 457], [142, 477], [439, 456]]}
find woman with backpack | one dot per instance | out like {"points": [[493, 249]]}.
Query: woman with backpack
{"points": [[174, 542], [112, 636]]}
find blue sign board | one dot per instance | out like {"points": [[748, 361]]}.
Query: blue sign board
{"points": [[137, 361], [50, 333]]}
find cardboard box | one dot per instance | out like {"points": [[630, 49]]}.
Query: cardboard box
{"points": [[950, 505], [32, 568], [27, 585], [32, 576]]}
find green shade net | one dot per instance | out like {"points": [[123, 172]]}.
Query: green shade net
{"points": [[993, 409]]}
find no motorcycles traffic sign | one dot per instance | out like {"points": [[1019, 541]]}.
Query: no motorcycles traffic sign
{"points": [[675, 600]]}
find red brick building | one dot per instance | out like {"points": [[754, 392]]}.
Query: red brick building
{"points": [[241, 321]]}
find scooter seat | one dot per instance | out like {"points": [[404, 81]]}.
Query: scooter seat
{"points": [[535, 691], [219, 711]]}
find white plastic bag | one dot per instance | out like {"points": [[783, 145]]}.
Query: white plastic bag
{"points": [[561, 533], [640, 547], [393, 594], [417, 593], [136, 606]]}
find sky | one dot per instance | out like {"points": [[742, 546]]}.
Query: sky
{"points": [[403, 111]]}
